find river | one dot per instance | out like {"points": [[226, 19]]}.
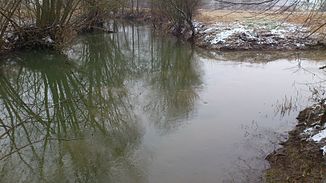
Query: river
{"points": [[139, 107]]}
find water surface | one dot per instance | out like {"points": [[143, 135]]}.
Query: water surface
{"points": [[139, 107]]}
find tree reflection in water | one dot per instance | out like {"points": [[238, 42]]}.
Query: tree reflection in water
{"points": [[72, 119], [67, 123], [175, 81]]}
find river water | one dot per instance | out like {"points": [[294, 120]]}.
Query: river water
{"points": [[139, 107]]}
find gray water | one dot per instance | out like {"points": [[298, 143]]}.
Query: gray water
{"points": [[139, 107]]}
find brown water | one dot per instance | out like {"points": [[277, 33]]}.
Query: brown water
{"points": [[138, 107]]}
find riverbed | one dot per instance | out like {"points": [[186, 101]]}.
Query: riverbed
{"points": [[135, 106]]}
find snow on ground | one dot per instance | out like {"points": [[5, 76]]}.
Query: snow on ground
{"points": [[222, 36], [251, 35], [319, 136], [48, 40], [316, 132], [323, 149]]}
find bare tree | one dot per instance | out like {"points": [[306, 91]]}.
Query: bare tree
{"points": [[180, 13]]}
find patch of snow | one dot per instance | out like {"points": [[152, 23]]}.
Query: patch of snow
{"points": [[315, 133], [269, 40], [48, 40], [279, 32], [319, 136], [299, 45], [220, 38], [316, 107], [292, 28], [323, 149], [243, 33], [210, 30], [8, 34], [309, 131], [197, 24], [225, 34]]}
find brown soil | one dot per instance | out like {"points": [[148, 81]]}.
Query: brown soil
{"points": [[299, 160]]}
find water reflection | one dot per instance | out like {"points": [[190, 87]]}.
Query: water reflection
{"points": [[72, 119], [264, 56], [175, 79], [67, 123], [138, 107]]}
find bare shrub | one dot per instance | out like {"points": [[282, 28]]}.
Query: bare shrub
{"points": [[180, 13]]}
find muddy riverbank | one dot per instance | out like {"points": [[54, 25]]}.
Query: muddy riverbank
{"points": [[255, 34], [303, 156], [263, 35]]}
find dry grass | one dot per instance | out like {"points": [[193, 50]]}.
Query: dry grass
{"points": [[208, 16], [311, 19]]}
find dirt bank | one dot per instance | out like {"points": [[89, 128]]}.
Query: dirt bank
{"points": [[303, 156], [246, 30], [255, 35]]}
